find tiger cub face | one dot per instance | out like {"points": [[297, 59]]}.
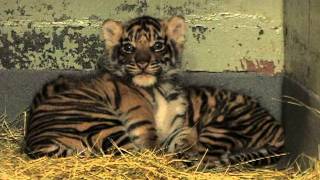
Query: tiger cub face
{"points": [[144, 50]]}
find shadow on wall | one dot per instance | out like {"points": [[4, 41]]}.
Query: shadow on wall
{"points": [[301, 123], [302, 53]]}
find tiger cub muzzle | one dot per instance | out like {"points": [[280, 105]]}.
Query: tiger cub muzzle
{"points": [[143, 68]]}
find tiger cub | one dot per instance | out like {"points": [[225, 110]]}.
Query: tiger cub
{"points": [[126, 107], [138, 103]]}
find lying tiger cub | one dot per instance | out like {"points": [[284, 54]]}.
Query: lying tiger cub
{"points": [[139, 104]]}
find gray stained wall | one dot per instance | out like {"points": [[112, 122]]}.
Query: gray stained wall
{"points": [[302, 81]]}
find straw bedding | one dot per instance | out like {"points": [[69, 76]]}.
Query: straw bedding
{"points": [[144, 165]]}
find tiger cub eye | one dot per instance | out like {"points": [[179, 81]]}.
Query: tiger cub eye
{"points": [[128, 48], [158, 46]]}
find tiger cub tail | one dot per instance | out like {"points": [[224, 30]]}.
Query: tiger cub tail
{"points": [[264, 156]]}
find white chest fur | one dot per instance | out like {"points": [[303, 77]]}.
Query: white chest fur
{"points": [[169, 113]]}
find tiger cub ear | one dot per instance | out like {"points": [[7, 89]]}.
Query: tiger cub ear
{"points": [[176, 29], [111, 32]]}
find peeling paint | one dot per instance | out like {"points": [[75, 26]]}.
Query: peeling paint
{"points": [[139, 8], [224, 15], [259, 66], [37, 49], [92, 21], [261, 32], [198, 32], [219, 32], [186, 8]]}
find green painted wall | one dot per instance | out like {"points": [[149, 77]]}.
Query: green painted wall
{"points": [[224, 35], [302, 47]]}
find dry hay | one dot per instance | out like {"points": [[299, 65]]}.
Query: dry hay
{"points": [[144, 165]]}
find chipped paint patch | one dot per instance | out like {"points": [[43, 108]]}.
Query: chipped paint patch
{"points": [[222, 16], [183, 8], [92, 21], [198, 32], [57, 48], [260, 66], [219, 32], [139, 8]]}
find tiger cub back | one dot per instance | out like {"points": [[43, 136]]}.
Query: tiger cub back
{"points": [[227, 128], [90, 117]]}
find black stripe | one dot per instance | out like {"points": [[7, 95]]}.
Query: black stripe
{"points": [[235, 116], [174, 50], [90, 94], [172, 96], [226, 140], [190, 112], [138, 124], [133, 109], [213, 152], [137, 33], [72, 102], [117, 95], [47, 116], [258, 125], [254, 119], [63, 154], [74, 121], [92, 130], [42, 141], [73, 95], [35, 155], [234, 111], [176, 117], [262, 134], [275, 131], [124, 141], [238, 136], [51, 116], [204, 103], [107, 142], [82, 109], [143, 21], [173, 136], [44, 91]]}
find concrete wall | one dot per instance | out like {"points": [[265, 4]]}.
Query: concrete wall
{"points": [[302, 64], [302, 50], [224, 35]]}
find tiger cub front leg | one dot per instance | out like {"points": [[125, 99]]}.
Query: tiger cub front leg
{"points": [[138, 118], [184, 142]]}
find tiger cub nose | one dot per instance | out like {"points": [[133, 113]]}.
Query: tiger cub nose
{"points": [[142, 64]]}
